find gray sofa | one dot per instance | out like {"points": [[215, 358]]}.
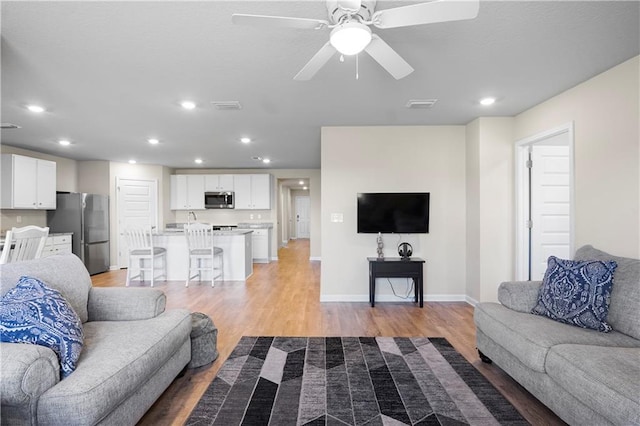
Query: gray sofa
{"points": [[586, 377], [133, 349]]}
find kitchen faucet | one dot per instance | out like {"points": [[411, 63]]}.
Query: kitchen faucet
{"points": [[195, 218]]}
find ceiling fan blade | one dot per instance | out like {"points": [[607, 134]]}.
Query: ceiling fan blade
{"points": [[426, 13], [313, 66], [278, 21], [388, 58]]}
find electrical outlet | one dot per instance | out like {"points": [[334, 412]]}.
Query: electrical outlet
{"points": [[259, 216], [251, 216], [18, 219]]}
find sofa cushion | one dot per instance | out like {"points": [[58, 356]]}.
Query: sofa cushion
{"points": [[66, 273], [118, 358], [33, 313], [604, 378], [577, 292], [625, 295], [529, 337]]}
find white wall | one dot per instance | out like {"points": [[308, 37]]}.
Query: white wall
{"points": [[93, 177], [605, 114], [496, 209], [393, 159], [472, 176]]}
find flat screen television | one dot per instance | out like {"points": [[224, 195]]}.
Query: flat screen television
{"points": [[399, 213]]}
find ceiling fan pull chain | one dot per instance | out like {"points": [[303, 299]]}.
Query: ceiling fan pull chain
{"points": [[357, 69]]}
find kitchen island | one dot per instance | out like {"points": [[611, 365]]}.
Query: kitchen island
{"points": [[236, 245]]}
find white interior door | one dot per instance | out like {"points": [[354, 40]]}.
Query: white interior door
{"points": [[544, 200], [550, 206], [137, 204], [302, 217]]}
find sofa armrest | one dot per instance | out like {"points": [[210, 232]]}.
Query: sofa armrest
{"points": [[521, 296], [27, 371], [125, 304]]}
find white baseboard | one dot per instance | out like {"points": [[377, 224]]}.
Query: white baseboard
{"points": [[471, 301], [274, 258], [315, 258], [392, 298], [114, 268]]}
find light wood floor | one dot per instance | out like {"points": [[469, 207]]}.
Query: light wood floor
{"points": [[282, 299]]}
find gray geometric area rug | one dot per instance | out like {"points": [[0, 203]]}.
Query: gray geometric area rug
{"points": [[350, 381]]}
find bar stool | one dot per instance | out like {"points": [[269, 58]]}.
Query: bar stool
{"points": [[141, 248], [201, 248]]}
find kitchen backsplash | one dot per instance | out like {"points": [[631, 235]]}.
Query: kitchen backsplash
{"points": [[226, 217], [18, 218]]}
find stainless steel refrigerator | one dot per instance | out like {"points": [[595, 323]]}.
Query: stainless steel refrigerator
{"points": [[87, 216]]}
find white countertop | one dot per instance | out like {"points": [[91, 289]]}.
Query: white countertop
{"points": [[51, 234], [180, 233], [254, 225]]}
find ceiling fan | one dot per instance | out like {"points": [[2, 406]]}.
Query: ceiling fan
{"points": [[349, 21]]}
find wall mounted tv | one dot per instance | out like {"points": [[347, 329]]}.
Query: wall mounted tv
{"points": [[399, 213]]}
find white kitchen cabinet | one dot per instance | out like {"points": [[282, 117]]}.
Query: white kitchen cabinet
{"points": [[57, 244], [252, 192], [218, 183], [187, 192], [28, 183], [261, 242]]}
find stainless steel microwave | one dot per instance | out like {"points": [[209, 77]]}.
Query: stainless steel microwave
{"points": [[218, 200]]}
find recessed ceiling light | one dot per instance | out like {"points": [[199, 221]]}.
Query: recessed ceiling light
{"points": [[35, 108], [198, 160], [266, 160], [188, 104], [132, 161], [153, 141], [487, 101], [245, 140], [305, 188], [301, 182], [64, 142]]}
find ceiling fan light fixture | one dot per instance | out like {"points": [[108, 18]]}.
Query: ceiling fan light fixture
{"points": [[350, 38]]}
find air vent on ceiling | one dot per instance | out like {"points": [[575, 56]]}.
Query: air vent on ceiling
{"points": [[9, 126], [226, 105], [421, 103]]}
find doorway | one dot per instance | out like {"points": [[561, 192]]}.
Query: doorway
{"points": [[137, 205], [302, 216], [544, 200]]}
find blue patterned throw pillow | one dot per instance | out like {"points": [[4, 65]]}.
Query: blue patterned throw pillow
{"points": [[31, 312], [577, 292]]}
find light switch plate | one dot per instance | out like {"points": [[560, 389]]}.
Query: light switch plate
{"points": [[337, 217]]}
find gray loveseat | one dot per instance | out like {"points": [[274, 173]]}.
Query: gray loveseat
{"points": [[586, 377], [133, 349]]}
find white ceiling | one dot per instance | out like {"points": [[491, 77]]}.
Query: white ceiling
{"points": [[111, 75]]}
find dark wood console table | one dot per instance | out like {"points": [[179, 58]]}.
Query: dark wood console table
{"points": [[396, 267]]}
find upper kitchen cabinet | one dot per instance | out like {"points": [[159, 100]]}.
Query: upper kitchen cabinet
{"points": [[187, 192], [252, 192], [27, 183], [218, 183]]}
